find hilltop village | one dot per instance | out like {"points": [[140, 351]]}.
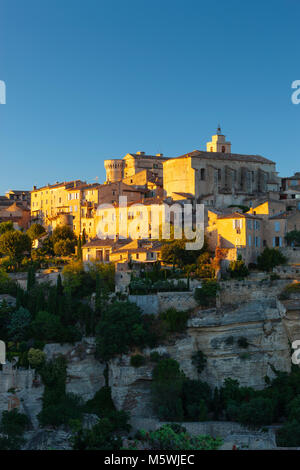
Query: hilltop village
{"points": [[248, 207], [108, 308]]}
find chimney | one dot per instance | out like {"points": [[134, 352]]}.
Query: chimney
{"points": [[140, 153], [159, 155]]}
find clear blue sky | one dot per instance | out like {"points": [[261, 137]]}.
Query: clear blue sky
{"points": [[91, 79]]}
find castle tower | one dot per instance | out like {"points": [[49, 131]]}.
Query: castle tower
{"points": [[114, 170], [218, 143]]}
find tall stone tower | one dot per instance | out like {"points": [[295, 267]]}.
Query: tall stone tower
{"points": [[114, 170], [218, 143]]}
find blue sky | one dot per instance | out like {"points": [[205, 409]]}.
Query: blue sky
{"points": [[89, 80]]}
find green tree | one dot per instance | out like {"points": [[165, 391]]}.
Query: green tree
{"points": [[19, 323], [46, 326], [120, 328], [15, 244], [79, 249], [36, 358], [167, 382], [6, 227], [270, 258], [36, 231], [206, 294], [63, 247], [293, 238]]}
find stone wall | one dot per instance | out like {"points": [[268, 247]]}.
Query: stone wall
{"points": [[288, 271], [233, 292], [292, 254], [160, 302]]}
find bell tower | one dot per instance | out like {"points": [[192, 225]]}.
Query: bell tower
{"points": [[218, 143]]}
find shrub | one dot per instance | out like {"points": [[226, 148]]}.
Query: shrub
{"points": [[238, 269], [195, 397], [256, 412], [120, 328], [137, 360], [14, 422], [270, 258], [243, 342], [19, 323], [101, 437], [206, 295], [199, 360], [167, 382], [155, 356], [36, 358], [174, 320], [46, 326], [170, 438], [101, 404], [289, 435]]}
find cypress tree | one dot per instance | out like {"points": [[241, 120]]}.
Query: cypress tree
{"points": [[79, 249], [83, 238]]}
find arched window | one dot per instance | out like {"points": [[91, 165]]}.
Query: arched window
{"points": [[223, 149]]}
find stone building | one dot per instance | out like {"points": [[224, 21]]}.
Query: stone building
{"points": [[219, 178], [18, 196], [133, 163], [16, 212], [236, 234]]}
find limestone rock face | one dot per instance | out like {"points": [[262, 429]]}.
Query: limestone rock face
{"points": [[84, 373], [47, 439], [242, 343]]}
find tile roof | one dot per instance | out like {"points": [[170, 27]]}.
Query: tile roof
{"points": [[226, 156]]}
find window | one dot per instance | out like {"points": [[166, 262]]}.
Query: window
{"points": [[257, 225], [223, 149], [137, 256], [202, 174], [219, 174], [249, 240], [211, 149], [277, 242], [237, 223], [249, 224], [277, 226]]}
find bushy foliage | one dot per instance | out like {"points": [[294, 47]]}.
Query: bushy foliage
{"points": [[35, 231], [293, 238], [15, 244], [167, 382], [19, 324], [170, 437], [36, 358], [238, 269], [137, 360], [12, 427], [206, 295], [199, 360], [120, 328], [64, 240], [174, 320], [101, 437], [256, 412], [6, 227], [270, 258]]}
